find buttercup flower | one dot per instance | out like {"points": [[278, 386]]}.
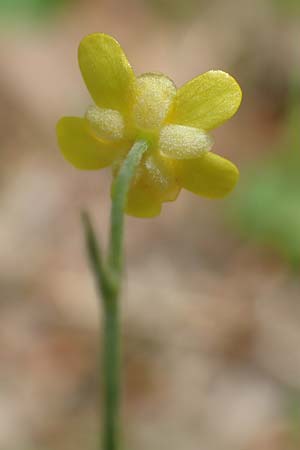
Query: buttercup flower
{"points": [[175, 123]]}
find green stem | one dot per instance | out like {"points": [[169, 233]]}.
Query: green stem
{"points": [[111, 375], [119, 197], [108, 278]]}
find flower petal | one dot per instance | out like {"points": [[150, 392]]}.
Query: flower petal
{"points": [[80, 148], [154, 93], [106, 72], [207, 101], [158, 174], [107, 124], [155, 182], [181, 142], [210, 175], [155, 174], [142, 202]]}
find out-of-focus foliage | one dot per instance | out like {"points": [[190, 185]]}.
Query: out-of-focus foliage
{"points": [[28, 9], [287, 6], [266, 206], [293, 414], [177, 10]]}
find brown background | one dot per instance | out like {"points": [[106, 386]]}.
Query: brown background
{"points": [[211, 322]]}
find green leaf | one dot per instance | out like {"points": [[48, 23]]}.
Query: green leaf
{"points": [[28, 9]]}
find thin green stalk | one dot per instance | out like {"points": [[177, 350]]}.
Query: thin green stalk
{"points": [[111, 375], [108, 277], [119, 197]]}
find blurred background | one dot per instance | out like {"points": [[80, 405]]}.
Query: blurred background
{"points": [[211, 312]]}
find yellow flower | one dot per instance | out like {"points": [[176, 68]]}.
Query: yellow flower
{"points": [[174, 122]]}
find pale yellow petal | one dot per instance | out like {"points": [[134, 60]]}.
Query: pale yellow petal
{"points": [[154, 182], [80, 148], [209, 175], [159, 174], [155, 174], [207, 101], [106, 72], [182, 142], [154, 94], [107, 124]]}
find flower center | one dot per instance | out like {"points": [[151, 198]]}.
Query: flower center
{"points": [[153, 97]]}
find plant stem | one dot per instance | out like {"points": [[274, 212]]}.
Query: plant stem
{"points": [[119, 197], [108, 277], [111, 376]]}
